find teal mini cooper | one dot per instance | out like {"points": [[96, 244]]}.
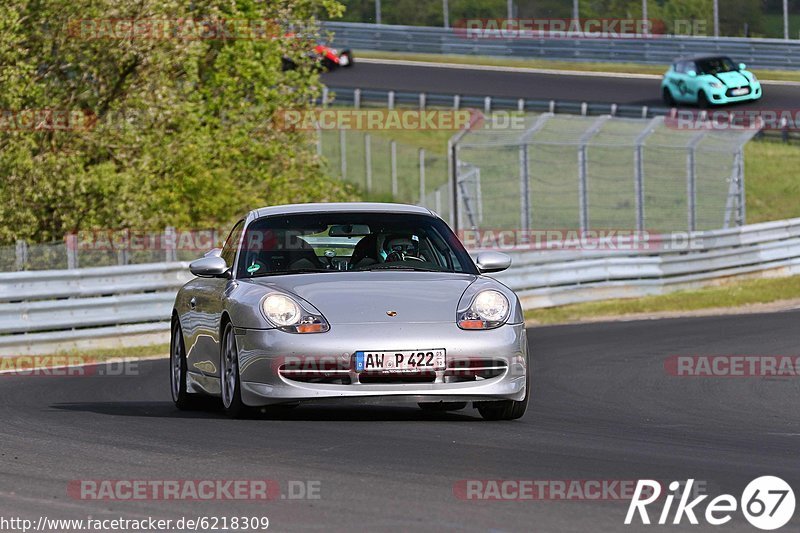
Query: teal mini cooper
{"points": [[709, 80]]}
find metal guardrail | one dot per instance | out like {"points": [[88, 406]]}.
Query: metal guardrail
{"points": [[758, 53], [53, 310], [48, 311]]}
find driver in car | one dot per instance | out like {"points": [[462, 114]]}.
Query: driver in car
{"points": [[402, 248]]}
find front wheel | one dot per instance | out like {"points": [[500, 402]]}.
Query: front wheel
{"points": [[346, 59], [230, 384], [702, 100], [507, 409]]}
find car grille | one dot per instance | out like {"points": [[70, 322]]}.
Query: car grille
{"points": [[730, 91], [326, 371]]}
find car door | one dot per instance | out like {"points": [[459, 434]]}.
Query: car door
{"points": [[207, 304], [678, 81]]}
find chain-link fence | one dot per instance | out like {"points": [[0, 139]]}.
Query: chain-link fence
{"points": [[588, 173], [110, 247]]}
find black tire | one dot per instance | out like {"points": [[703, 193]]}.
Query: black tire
{"points": [[230, 384], [348, 59], [178, 371], [507, 409], [442, 406], [669, 100], [702, 100]]}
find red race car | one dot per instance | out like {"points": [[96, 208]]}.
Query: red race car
{"points": [[326, 57]]}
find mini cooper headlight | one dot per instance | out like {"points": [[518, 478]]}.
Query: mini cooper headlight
{"points": [[288, 315], [716, 85], [489, 309]]}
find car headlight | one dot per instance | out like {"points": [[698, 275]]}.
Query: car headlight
{"points": [[715, 85], [489, 309], [290, 316]]}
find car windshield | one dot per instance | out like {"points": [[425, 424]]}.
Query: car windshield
{"points": [[343, 242], [715, 65]]}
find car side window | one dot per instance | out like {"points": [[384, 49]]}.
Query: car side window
{"points": [[231, 243], [679, 67]]}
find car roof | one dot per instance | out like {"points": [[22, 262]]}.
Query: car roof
{"points": [[699, 57], [338, 207]]}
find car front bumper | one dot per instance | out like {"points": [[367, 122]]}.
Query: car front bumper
{"points": [[720, 96], [265, 356]]}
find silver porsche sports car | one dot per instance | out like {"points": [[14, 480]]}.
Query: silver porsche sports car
{"points": [[355, 301]]}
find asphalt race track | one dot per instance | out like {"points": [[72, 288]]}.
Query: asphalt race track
{"points": [[603, 408], [510, 84]]}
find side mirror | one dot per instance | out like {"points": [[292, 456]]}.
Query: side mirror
{"points": [[488, 262], [209, 267], [691, 73], [214, 252], [742, 66]]}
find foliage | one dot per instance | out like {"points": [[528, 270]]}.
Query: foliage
{"points": [[182, 134]]}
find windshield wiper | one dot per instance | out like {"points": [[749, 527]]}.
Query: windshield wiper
{"points": [[391, 266], [294, 271]]}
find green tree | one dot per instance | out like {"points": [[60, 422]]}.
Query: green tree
{"points": [[183, 131]]}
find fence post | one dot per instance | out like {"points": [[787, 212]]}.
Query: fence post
{"points": [[583, 196], [368, 160], [638, 171], [691, 188], [170, 245], [343, 153], [422, 201], [393, 155], [742, 213], [21, 259], [71, 243], [324, 96], [438, 200], [524, 205]]}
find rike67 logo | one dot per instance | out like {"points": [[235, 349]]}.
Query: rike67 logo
{"points": [[767, 503]]}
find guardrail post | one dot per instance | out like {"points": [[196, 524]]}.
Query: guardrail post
{"points": [[343, 153], [422, 101], [71, 243], [357, 98], [524, 204], [521, 105], [456, 101], [487, 105], [21, 255], [390, 100], [170, 245], [393, 156], [368, 160], [422, 201], [324, 96]]}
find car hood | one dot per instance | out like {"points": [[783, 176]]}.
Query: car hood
{"points": [[368, 297], [732, 79]]}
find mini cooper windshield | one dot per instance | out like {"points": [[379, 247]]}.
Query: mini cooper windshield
{"points": [[345, 242]]}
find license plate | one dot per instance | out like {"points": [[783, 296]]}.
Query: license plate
{"points": [[740, 92], [400, 361]]}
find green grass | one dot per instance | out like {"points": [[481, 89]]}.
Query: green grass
{"points": [[771, 179], [627, 68], [127, 352], [732, 295]]}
